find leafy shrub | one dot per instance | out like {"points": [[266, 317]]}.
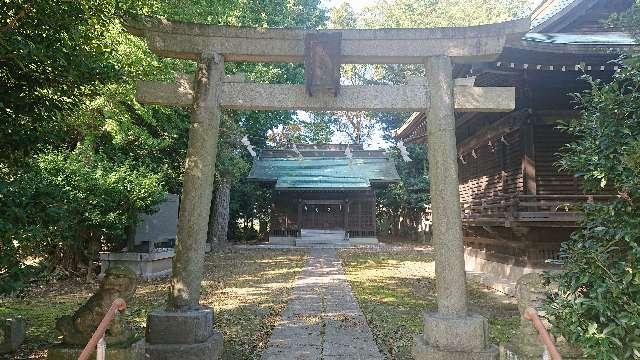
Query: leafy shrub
{"points": [[65, 206], [598, 303]]}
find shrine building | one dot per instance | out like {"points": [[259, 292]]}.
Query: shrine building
{"points": [[518, 206], [323, 195]]}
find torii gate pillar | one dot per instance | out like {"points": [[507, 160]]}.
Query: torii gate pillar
{"points": [[184, 330], [450, 333]]}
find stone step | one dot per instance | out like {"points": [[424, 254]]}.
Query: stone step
{"points": [[304, 242], [316, 240], [321, 233]]}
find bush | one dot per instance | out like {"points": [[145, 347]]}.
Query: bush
{"points": [[598, 303], [63, 207]]}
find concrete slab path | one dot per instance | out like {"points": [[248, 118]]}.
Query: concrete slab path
{"points": [[322, 319]]}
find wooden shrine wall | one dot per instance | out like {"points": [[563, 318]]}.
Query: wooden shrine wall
{"points": [[496, 170], [362, 217], [550, 180], [499, 170], [357, 207]]}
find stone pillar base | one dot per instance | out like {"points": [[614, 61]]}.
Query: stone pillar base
{"points": [[64, 352], [449, 337], [422, 351], [184, 335]]}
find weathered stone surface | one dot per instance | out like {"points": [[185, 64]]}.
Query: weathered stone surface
{"points": [[12, 331], [64, 352], [184, 327], [451, 333], [147, 266], [525, 345], [322, 319], [378, 46], [412, 97], [468, 333], [445, 199], [210, 349], [77, 329], [159, 226], [423, 351], [197, 186]]}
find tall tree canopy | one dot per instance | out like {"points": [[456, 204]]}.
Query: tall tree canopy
{"points": [[79, 158]]}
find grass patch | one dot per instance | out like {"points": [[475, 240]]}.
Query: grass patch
{"points": [[247, 288], [395, 287]]}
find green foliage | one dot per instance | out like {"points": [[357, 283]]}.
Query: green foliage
{"points": [[231, 165], [402, 206], [68, 201], [597, 306], [440, 13], [79, 158]]}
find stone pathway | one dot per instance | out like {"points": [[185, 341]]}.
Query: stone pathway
{"points": [[322, 319]]}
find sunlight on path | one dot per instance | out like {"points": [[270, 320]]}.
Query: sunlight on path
{"points": [[322, 319]]}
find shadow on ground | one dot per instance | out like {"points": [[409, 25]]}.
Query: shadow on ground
{"points": [[394, 287], [248, 290]]}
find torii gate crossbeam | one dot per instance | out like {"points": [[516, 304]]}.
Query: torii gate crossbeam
{"points": [[185, 329]]}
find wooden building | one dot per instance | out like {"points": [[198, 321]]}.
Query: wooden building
{"points": [[518, 206], [322, 196]]}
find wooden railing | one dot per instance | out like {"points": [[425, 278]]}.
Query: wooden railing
{"points": [[532, 315], [503, 209], [97, 340]]}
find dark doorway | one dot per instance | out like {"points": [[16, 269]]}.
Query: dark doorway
{"points": [[323, 216]]}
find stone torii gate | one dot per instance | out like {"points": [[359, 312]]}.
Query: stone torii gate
{"points": [[185, 328]]}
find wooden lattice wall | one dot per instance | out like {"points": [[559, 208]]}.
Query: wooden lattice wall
{"points": [[353, 211], [496, 170]]}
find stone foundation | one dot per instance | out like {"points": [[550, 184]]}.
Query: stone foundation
{"points": [[500, 275], [422, 351], [291, 241], [363, 240], [147, 266], [184, 335], [62, 352], [451, 337], [282, 240]]}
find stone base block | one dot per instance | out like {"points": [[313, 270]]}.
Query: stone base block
{"points": [[179, 327], [148, 266], [12, 332], [423, 351], [281, 240], [469, 333], [62, 352], [523, 347], [363, 240], [183, 335], [210, 349]]}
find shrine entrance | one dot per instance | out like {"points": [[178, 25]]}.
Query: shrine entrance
{"points": [[185, 329], [323, 215]]}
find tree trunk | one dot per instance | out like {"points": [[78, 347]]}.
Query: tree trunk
{"points": [[219, 216]]}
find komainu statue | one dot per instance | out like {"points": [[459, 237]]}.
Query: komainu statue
{"points": [[77, 329]]}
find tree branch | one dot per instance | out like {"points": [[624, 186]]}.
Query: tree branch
{"points": [[13, 22]]}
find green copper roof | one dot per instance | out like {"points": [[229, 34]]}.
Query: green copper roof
{"points": [[608, 38], [317, 173]]}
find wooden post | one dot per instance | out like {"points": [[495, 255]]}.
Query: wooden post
{"points": [[198, 186], [528, 158], [299, 217]]}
